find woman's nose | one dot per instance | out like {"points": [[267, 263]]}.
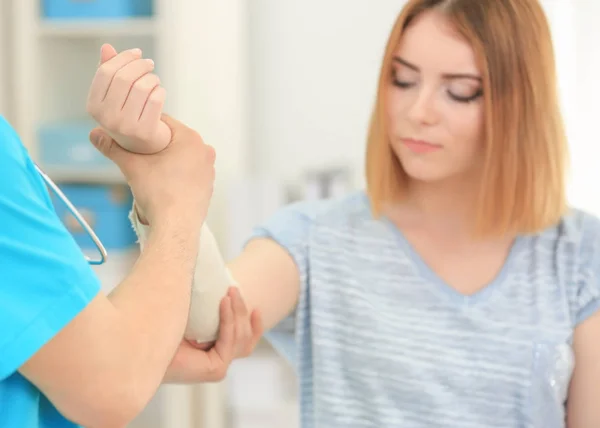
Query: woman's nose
{"points": [[423, 110]]}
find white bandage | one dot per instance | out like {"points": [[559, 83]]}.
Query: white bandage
{"points": [[211, 282]]}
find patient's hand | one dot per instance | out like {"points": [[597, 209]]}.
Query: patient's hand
{"points": [[127, 100], [239, 333]]}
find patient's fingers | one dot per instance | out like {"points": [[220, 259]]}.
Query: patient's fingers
{"points": [[107, 52], [153, 109], [104, 76], [138, 97], [124, 81]]}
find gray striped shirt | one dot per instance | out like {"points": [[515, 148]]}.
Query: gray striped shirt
{"points": [[378, 340]]}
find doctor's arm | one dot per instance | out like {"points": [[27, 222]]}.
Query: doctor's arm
{"points": [[98, 359], [104, 366]]}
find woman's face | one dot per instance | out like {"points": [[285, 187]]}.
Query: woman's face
{"points": [[434, 102]]}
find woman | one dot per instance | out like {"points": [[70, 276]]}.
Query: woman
{"points": [[458, 290]]}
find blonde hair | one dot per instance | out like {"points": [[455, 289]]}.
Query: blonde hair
{"points": [[525, 150]]}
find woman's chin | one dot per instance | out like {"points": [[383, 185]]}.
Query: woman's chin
{"points": [[424, 175]]}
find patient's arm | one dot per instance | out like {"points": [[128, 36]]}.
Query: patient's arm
{"points": [[265, 273], [269, 279]]}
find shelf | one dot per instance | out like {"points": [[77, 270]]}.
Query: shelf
{"points": [[100, 176], [97, 28]]}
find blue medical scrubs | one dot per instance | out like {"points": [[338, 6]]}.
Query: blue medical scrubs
{"points": [[44, 283]]}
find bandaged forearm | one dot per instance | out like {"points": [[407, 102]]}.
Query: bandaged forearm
{"points": [[211, 282]]}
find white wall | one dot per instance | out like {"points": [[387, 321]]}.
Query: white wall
{"points": [[586, 143], [314, 68]]}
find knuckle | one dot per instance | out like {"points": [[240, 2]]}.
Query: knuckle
{"points": [[130, 128], [145, 133], [190, 134], [210, 154], [218, 373], [91, 109], [108, 120], [122, 77], [131, 54], [127, 129], [146, 85], [160, 93], [155, 99], [105, 71], [142, 132]]}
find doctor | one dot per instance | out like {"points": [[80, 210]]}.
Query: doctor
{"points": [[70, 355]]}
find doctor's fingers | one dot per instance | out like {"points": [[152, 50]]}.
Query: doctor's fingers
{"points": [[105, 73], [248, 326], [221, 355], [257, 332]]}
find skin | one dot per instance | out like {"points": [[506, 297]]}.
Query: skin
{"points": [[104, 366], [434, 94]]}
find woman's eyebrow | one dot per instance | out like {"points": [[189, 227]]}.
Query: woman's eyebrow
{"points": [[445, 75]]}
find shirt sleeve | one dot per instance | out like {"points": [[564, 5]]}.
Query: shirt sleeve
{"points": [[44, 279], [291, 227], [587, 300]]}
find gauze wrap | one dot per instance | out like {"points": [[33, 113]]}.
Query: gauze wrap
{"points": [[211, 282]]}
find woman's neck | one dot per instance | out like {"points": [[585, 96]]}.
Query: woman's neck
{"points": [[447, 206]]}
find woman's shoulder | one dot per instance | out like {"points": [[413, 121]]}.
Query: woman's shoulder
{"points": [[578, 227], [294, 224], [336, 211], [575, 247], [574, 240]]}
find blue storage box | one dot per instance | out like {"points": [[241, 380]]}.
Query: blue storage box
{"points": [[106, 209], [94, 9], [67, 145]]}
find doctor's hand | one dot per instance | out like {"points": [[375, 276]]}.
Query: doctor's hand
{"points": [[174, 185], [239, 333], [127, 100]]}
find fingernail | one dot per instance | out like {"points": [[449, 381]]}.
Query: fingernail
{"points": [[137, 51]]}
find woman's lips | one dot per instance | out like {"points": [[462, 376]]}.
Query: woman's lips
{"points": [[420, 146]]}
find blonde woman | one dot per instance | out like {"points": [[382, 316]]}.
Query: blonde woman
{"points": [[458, 290]]}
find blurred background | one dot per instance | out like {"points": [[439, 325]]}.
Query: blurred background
{"points": [[282, 89]]}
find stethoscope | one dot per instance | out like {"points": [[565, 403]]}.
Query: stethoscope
{"points": [[52, 185]]}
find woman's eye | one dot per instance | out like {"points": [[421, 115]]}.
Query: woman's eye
{"points": [[401, 79], [402, 83], [464, 93], [465, 97]]}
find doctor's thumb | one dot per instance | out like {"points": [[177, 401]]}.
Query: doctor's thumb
{"points": [[105, 144]]}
